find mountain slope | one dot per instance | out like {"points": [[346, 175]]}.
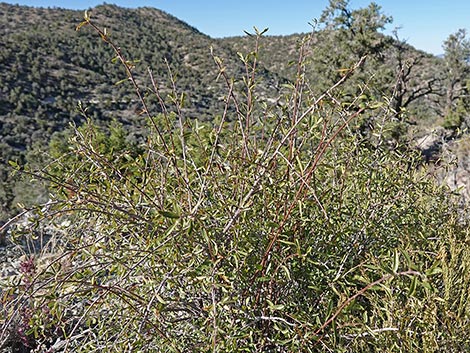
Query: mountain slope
{"points": [[47, 68]]}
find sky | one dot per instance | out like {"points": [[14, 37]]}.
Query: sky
{"points": [[425, 24]]}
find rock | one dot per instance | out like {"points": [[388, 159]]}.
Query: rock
{"points": [[432, 142]]}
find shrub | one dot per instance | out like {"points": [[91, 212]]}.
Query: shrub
{"points": [[274, 227]]}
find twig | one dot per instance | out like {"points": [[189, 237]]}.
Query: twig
{"points": [[361, 292]]}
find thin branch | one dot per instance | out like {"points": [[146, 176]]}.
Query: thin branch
{"points": [[361, 292]]}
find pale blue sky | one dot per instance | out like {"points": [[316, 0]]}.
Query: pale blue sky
{"points": [[424, 23]]}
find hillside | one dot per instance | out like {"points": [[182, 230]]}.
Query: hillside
{"points": [[281, 54], [47, 68]]}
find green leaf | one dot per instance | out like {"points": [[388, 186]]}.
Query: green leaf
{"points": [[286, 271], [426, 285], [264, 31], [240, 55], [182, 98], [396, 260], [160, 299], [414, 282], [433, 270], [275, 307], [376, 105], [121, 81], [408, 262], [13, 164]]}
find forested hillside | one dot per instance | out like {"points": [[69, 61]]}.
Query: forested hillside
{"points": [[164, 191], [48, 68]]}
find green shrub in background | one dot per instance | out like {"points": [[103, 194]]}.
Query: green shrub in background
{"points": [[273, 228]]}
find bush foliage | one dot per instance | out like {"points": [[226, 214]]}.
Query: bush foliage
{"points": [[276, 227]]}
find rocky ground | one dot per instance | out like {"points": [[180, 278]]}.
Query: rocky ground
{"points": [[22, 244], [10, 260], [448, 160]]}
